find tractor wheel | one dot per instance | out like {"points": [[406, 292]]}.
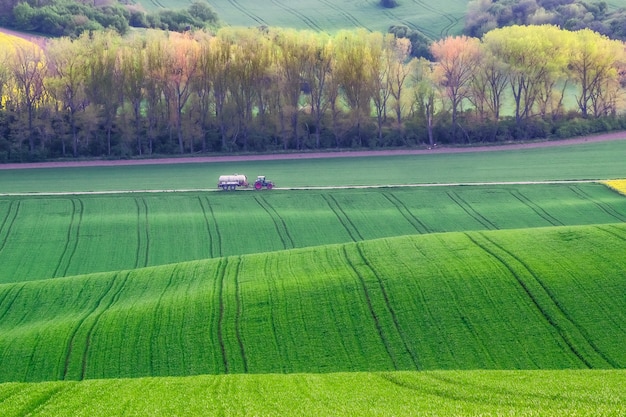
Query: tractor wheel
{"points": [[258, 185], [269, 185], [225, 187]]}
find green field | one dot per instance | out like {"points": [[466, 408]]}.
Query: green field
{"points": [[96, 233], [467, 393], [432, 300], [598, 160], [433, 19]]}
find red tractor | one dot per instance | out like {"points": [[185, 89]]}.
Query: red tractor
{"points": [[262, 182]]}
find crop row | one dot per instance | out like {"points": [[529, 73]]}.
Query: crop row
{"points": [[540, 298], [45, 237], [485, 393]]}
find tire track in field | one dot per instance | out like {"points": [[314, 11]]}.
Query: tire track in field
{"points": [[388, 306], [294, 12], [355, 22], [406, 22], [467, 207], [71, 242], [10, 303], [143, 233], [449, 17], [606, 208], [111, 289], [419, 226], [238, 314], [279, 222], [243, 10], [33, 407], [540, 211], [370, 306], [154, 331], [345, 221], [215, 239], [536, 289], [271, 293], [8, 222], [219, 293]]}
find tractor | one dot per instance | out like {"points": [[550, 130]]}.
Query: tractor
{"points": [[262, 182]]}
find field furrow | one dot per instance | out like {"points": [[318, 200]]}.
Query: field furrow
{"points": [[382, 333], [420, 227], [606, 208], [160, 325], [343, 218], [71, 243], [8, 221], [215, 240], [301, 16], [245, 11], [569, 331], [389, 309], [467, 208], [143, 233], [279, 223], [218, 291], [238, 313], [540, 211]]}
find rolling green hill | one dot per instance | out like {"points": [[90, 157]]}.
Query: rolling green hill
{"points": [[433, 19], [97, 233], [541, 298]]}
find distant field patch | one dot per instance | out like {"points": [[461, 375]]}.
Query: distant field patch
{"points": [[618, 185], [433, 19]]}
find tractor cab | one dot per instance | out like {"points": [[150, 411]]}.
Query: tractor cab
{"points": [[262, 182]]}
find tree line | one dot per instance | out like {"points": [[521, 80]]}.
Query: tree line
{"points": [[264, 89]]}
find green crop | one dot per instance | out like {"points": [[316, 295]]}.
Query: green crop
{"points": [[53, 236]]}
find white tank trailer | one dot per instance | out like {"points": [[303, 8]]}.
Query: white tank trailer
{"points": [[231, 182]]}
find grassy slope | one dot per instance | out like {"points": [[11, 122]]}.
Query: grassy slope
{"points": [[433, 19], [86, 234], [602, 160], [484, 393], [524, 299]]}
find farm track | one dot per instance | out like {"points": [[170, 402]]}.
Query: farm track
{"points": [[7, 222], [155, 325], [604, 207], [419, 226], [451, 19], [243, 10], [301, 16], [540, 211], [375, 318], [212, 228], [238, 313], [279, 223], [553, 311], [343, 218], [473, 213], [143, 233], [218, 291], [71, 242], [345, 14]]}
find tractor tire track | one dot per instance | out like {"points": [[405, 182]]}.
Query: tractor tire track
{"points": [[157, 307], [71, 242], [143, 233], [370, 306], [466, 207], [355, 22], [536, 208], [279, 222], [606, 208], [388, 307], [74, 334], [419, 226], [8, 222], [407, 23], [219, 293], [238, 314], [294, 12], [533, 288], [345, 221], [243, 10], [33, 407], [272, 293], [10, 303], [447, 16], [215, 239]]}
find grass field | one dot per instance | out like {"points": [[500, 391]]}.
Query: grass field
{"points": [[540, 298], [96, 233], [468, 393], [598, 161], [447, 300], [433, 19]]}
